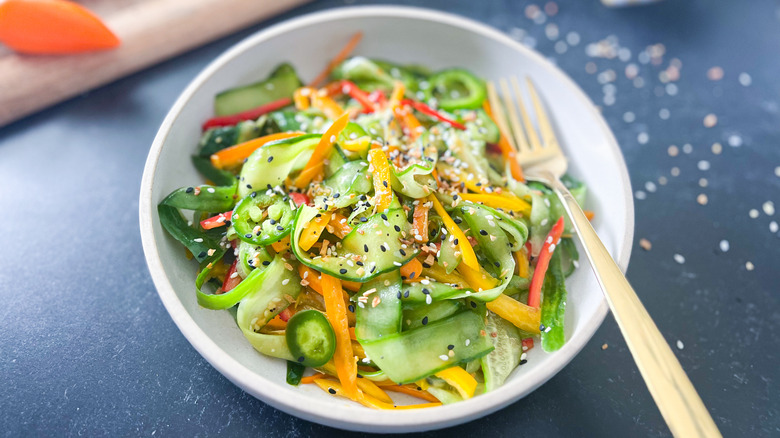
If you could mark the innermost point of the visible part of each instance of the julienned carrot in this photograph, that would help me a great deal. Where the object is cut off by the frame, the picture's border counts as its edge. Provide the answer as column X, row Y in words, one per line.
column 281, row 245
column 315, row 164
column 411, row 270
column 414, row 392
column 412, row 126
column 507, row 151
column 336, row 388
column 343, row 358
column 235, row 155
column 250, row 114
column 381, row 178
column 313, row 278
column 341, row 56
column 535, row 289
column 52, row 27
column 340, row 225
column 312, row 378
column 467, row 252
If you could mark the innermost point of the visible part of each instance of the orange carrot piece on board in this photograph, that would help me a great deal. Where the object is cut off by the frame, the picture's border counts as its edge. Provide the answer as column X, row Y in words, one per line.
column 342, row 55
column 48, row 27
column 343, row 358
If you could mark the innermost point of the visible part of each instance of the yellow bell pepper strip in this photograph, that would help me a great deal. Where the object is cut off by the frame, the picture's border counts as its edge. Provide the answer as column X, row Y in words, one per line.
column 439, row 274
column 315, row 164
column 301, row 97
column 414, row 392
column 420, row 221
column 479, row 280
column 343, row 358
column 500, row 201
column 383, row 192
column 411, row 270
column 235, row 155
column 507, row 151
column 341, row 56
column 524, row 317
column 467, row 252
column 552, row 240
column 313, row 231
column 521, row 262
column 459, row 379
column 367, row 386
column 396, row 95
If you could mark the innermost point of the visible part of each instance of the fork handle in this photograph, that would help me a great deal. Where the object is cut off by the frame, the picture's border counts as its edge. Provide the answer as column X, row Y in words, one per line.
column 680, row 405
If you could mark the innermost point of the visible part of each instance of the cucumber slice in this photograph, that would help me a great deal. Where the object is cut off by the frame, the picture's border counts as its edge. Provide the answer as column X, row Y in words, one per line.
column 497, row 365
column 280, row 84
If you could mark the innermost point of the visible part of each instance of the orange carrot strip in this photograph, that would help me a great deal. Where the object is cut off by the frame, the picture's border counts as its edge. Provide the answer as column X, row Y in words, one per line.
column 312, row 378
column 340, row 226
column 381, row 177
column 52, row 27
column 507, row 151
column 341, row 56
column 277, row 323
column 235, row 155
column 281, row 245
column 312, row 232
column 316, row 162
column 352, row 334
column 326, row 104
column 420, row 221
column 409, row 121
column 425, row 395
column 411, row 270
column 343, row 358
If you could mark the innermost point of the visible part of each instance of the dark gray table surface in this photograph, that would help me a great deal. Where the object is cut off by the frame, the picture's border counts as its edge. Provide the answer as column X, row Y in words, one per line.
column 86, row 347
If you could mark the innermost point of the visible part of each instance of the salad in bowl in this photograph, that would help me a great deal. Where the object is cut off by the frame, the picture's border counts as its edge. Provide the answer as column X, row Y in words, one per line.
column 373, row 229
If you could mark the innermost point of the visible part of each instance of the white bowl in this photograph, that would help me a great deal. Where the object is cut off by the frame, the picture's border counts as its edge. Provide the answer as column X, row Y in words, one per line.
column 400, row 34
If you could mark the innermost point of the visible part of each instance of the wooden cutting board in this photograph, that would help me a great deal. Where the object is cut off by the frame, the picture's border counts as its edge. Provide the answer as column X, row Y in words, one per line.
column 150, row 30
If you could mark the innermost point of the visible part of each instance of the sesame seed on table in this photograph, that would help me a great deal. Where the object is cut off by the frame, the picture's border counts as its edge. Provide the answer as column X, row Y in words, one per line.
column 689, row 89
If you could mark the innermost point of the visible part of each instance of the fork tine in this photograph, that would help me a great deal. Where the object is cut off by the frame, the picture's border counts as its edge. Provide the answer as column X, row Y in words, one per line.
column 548, row 135
column 514, row 121
column 498, row 111
column 533, row 138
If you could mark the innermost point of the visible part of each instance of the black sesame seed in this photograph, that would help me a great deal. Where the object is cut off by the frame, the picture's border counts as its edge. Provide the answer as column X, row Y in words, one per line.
column 399, row 295
column 457, row 220
column 450, row 347
column 382, row 247
column 343, row 271
column 411, row 276
column 365, row 247
column 483, row 232
column 425, row 321
column 301, row 359
column 253, row 194
column 384, row 216
column 269, row 186
column 273, row 222
column 403, row 253
column 248, row 235
column 406, row 294
column 373, row 268
column 351, row 308
column 498, row 265
column 331, row 390
column 473, row 304
column 363, row 197
column 363, row 219
column 202, row 254
column 396, row 228
column 271, row 158
column 189, row 190
column 280, row 228
column 359, row 263
column 384, row 183
column 426, row 291
column 524, row 361
column 336, row 195
column 266, row 263
column 541, row 327
column 455, row 241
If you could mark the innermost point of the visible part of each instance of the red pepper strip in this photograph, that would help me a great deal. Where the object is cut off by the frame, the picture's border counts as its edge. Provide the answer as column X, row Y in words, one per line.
column 378, row 97
column 356, row 93
column 535, row 290
column 528, row 343
column 231, row 280
column 425, row 109
column 299, row 198
column 216, row 221
column 285, row 314
column 250, row 114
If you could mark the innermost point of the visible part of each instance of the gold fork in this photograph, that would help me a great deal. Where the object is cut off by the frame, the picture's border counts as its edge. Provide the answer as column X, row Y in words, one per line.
column 542, row 160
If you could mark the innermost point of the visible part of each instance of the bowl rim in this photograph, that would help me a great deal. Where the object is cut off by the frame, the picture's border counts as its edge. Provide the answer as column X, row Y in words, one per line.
column 298, row 404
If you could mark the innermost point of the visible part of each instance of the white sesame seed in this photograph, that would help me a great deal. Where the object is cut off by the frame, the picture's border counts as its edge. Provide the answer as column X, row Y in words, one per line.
column 680, row 345
column 753, row 213
column 552, row 247
column 444, row 357
column 768, row 207
column 285, row 281
column 468, row 341
column 199, row 239
column 749, row 266
column 544, row 222
column 679, row 258
column 428, row 299
column 724, row 245
column 211, row 190
column 773, row 227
